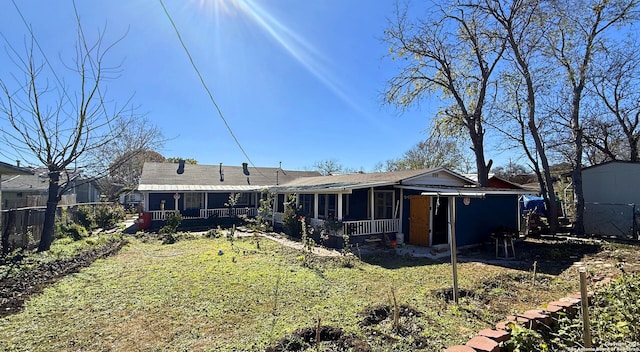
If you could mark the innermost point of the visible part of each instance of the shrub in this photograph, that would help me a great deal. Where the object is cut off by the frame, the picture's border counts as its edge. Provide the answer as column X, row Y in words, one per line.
column 291, row 217
column 265, row 211
column 614, row 317
column 107, row 216
column 173, row 221
column 86, row 216
column 214, row 233
column 71, row 230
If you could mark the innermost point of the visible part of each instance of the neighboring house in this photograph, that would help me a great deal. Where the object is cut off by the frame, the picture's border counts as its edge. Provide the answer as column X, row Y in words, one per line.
column 612, row 199
column 201, row 191
column 496, row 182
column 131, row 199
column 21, row 191
column 9, row 172
column 416, row 205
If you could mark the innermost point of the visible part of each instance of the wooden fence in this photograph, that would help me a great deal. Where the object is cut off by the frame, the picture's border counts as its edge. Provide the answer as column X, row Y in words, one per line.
column 22, row 227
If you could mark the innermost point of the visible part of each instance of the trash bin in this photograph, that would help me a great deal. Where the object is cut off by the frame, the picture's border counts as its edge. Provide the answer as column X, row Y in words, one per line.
column 144, row 220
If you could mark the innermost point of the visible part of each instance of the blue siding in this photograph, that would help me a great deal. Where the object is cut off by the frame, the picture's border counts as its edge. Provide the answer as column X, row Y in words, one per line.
column 475, row 222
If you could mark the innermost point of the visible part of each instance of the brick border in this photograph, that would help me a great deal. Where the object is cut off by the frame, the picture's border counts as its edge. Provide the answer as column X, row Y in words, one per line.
column 488, row 340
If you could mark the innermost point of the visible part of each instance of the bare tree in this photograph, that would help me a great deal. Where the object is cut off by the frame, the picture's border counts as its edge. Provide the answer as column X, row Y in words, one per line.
column 616, row 133
column 435, row 151
column 329, row 167
column 448, row 52
column 59, row 125
column 579, row 32
column 523, row 25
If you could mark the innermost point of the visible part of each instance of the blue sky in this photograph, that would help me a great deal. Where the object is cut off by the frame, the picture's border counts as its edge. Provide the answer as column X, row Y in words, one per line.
column 297, row 81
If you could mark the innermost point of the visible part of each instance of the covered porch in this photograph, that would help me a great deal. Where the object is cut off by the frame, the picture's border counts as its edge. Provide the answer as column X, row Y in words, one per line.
column 360, row 212
column 202, row 205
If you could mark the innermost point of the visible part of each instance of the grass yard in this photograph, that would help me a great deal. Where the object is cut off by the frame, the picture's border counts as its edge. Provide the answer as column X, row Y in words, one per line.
column 188, row 297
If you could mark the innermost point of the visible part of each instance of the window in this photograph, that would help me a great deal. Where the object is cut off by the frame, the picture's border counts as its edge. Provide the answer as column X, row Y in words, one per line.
column 244, row 199
column 327, row 206
column 192, row 200
column 306, row 200
column 383, row 204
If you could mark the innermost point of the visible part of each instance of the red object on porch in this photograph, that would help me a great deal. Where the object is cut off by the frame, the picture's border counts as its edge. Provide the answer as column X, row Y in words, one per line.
column 144, row 221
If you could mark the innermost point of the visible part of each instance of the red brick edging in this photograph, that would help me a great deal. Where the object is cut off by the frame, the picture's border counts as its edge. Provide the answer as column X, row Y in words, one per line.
column 488, row 340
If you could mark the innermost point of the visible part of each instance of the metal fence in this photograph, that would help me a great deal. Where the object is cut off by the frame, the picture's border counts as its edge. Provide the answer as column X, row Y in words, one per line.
column 609, row 219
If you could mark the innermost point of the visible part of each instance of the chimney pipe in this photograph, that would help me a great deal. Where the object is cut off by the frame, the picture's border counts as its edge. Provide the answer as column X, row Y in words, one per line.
column 221, row 174
column 18, row 163
column 245, row 169
column 180, row 170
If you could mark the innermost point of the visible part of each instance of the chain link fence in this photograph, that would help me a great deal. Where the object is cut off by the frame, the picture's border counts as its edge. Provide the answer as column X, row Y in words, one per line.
column 613, row 220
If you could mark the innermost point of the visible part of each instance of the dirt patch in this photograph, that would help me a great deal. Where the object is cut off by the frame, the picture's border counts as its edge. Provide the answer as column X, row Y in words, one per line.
column 330, row 339
column 378, row 314
column 14, row 291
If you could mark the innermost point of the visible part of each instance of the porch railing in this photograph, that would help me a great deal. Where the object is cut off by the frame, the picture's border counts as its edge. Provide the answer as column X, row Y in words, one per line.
column 224, row 212
column 358, row 227
column 160, row 214
column 205, row 213
column 370, row 227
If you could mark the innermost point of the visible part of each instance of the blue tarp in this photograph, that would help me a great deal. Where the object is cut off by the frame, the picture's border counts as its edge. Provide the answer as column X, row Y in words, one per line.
column 536, row 204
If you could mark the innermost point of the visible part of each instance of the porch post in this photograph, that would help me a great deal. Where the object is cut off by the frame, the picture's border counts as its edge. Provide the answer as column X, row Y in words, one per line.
column 206, row 200
column 339, row 207
column 372, row 208
column 145, row 196
column 401, row 210
column 452, row 241
column 274, row 207
column 315, row 205
column 256, row 201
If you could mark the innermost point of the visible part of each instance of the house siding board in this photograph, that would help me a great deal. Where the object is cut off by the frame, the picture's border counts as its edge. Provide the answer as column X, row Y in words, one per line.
column 437, row 178
column 475, row 222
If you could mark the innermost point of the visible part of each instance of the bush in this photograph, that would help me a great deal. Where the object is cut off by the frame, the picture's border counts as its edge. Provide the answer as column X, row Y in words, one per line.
column 86, row 217
column 614, row 317
column 107, row 216
column 70, row 230
column 173, row 221
column 291, row 218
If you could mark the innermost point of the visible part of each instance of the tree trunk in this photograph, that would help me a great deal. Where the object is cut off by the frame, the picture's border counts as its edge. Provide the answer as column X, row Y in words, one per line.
column 576, row 176
column 477, row 139
column 633, row 150
column 548, row 192
column 50, row 214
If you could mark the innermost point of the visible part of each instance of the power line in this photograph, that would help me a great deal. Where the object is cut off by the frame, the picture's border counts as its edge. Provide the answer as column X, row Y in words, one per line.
column 206, row 88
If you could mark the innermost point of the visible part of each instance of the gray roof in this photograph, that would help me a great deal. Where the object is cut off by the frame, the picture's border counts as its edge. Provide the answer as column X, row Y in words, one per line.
column 361, row 180
column 8, row 169
column 36, row 180
column 163, row 177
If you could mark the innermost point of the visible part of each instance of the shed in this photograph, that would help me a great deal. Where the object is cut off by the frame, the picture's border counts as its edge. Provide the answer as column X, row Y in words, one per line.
column 612, row 198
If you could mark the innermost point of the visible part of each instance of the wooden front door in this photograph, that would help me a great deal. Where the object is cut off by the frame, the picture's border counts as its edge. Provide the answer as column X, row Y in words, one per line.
column 419, row 220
